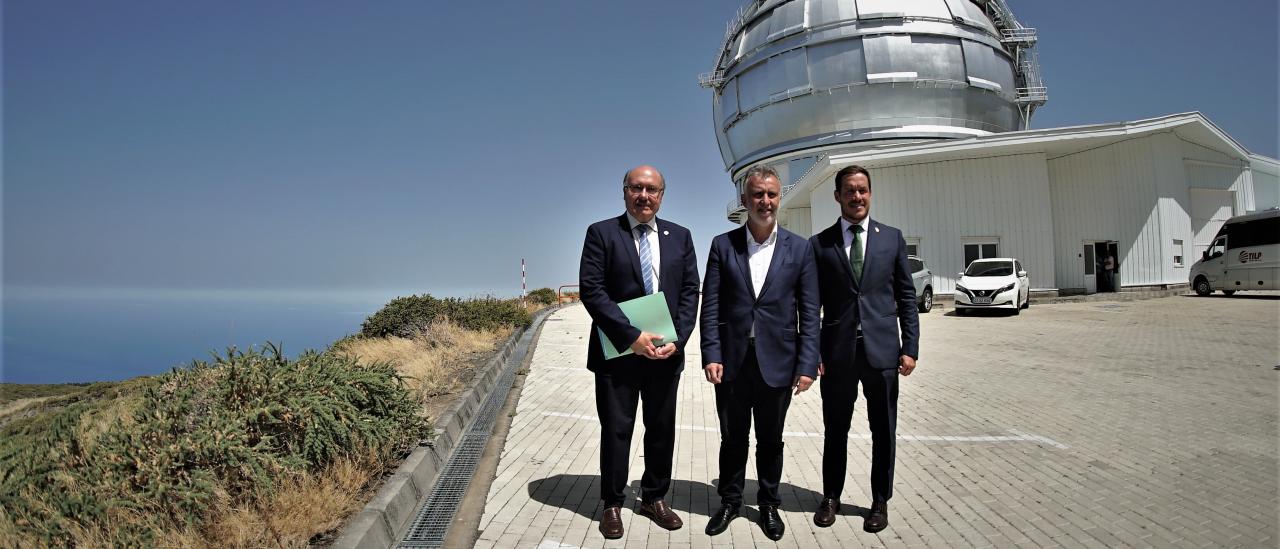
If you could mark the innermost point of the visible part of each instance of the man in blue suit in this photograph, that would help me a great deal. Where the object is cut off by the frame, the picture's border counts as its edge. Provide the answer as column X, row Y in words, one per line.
column 870, row 335
column 623, row 258
column 761, row 284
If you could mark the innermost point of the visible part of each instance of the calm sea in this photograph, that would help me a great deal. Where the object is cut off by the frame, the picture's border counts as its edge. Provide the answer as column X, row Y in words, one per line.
column 59, row 335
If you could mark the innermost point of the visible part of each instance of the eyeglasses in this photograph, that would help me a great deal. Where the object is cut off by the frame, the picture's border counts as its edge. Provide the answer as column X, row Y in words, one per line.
column 641, row 189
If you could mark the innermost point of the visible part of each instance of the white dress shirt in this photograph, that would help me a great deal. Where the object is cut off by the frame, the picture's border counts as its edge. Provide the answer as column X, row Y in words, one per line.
column 759, row 257
column 655, row 258
column 848, row 235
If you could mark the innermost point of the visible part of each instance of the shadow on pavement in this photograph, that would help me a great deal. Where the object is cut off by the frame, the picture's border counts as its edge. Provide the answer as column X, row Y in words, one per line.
column 580, row 494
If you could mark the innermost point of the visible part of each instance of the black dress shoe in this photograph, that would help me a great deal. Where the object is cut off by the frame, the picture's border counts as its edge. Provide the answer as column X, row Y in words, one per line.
column 611, row 522
column 826, row 515
column 770, row 522
column 878, row 519
column 720, row 521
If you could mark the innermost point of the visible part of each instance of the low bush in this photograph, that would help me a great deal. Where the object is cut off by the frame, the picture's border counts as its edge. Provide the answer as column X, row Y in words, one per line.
column 543, row 296
column 411, row 316
column 227, row 431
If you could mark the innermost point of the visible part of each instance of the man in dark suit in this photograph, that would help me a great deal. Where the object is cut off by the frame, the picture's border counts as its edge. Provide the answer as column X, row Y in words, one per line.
column 760, row 280
column 624, row 258
column 870, row 335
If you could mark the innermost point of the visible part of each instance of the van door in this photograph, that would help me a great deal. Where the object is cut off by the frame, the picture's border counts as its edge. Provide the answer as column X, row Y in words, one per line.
column 1215, row 265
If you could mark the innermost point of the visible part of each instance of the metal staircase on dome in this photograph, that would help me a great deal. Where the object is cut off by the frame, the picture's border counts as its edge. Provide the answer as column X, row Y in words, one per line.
column 1019, row 41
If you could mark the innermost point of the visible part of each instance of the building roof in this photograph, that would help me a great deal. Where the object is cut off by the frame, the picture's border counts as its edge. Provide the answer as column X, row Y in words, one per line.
column 1052, row 142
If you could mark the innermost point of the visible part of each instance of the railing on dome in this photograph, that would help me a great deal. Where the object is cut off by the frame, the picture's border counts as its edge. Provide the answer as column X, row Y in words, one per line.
column 737, row 213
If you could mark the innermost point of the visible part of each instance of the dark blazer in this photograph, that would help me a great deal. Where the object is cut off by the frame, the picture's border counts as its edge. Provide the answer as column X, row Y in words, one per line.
column 789, row 299
column 884, row 301
column 610, row 274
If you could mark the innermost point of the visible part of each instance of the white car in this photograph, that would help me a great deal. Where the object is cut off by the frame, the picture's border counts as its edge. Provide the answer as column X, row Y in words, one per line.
column 993, row 283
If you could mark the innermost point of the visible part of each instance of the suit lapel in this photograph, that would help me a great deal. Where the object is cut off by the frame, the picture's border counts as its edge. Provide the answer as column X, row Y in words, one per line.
column 629, row 241
column 779, row 256
column 738, row 239
column 666, row 250
column 873, row 246
column 837, row 249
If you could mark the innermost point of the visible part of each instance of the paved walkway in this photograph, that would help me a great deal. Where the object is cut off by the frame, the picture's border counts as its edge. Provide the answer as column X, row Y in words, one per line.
column 1146, row 424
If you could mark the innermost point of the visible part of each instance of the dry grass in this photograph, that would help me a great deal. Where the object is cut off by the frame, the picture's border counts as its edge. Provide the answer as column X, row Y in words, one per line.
column 301, row 508
column 20, row 404
column 437, row 362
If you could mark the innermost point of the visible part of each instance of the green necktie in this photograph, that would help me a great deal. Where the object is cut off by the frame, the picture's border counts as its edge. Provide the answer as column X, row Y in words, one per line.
column 855, row 252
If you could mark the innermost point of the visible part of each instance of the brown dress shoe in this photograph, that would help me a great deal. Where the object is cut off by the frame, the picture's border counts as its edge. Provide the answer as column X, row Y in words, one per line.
column 878, row 518
column 661, row 514
column 611, row 522
column 826, row 515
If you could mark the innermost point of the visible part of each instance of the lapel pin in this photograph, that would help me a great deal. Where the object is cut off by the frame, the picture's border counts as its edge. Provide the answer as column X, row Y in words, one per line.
column 877, row 229
column 666, row 233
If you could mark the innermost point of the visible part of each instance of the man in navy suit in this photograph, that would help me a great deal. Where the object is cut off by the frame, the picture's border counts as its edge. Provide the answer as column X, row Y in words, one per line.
column 870, row 335
column 760, row 280
column 623, row 258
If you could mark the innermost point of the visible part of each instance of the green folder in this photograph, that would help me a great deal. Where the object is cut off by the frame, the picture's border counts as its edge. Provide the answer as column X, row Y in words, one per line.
column 649, row 314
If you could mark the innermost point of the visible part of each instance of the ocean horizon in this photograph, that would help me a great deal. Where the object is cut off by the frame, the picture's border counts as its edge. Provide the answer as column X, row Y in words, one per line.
column 80, row 334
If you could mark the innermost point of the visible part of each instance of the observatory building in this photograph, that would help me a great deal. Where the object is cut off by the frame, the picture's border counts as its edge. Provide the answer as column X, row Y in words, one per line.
column 936, row 98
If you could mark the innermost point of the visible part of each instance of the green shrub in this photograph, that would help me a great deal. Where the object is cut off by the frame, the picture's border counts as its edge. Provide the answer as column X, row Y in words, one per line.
column 229, row 428
column 410, row 316
column 543, row 296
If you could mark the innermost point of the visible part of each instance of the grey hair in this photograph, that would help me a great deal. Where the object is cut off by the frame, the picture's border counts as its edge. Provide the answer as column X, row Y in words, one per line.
column 762, row 171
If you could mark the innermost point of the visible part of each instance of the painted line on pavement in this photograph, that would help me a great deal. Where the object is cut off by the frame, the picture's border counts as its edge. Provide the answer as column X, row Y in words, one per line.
column 1014, row 436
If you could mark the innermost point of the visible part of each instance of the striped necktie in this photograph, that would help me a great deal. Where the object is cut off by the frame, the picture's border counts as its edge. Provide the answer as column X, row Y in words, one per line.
column 646, row 258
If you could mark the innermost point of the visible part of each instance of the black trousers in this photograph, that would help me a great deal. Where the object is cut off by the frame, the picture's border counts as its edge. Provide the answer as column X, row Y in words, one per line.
column 737, row 402
column 617, row 393
column 839, row 387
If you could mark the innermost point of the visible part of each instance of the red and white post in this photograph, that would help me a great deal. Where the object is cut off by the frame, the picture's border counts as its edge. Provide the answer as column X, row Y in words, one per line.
column 524, row 287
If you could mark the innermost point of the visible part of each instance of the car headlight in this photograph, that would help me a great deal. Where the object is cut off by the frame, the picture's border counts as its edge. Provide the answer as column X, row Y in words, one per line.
column 963, row 290
column 1005, row 288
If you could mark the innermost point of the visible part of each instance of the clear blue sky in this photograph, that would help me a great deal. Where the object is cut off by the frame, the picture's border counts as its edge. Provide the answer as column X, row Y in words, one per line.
column 428, row 146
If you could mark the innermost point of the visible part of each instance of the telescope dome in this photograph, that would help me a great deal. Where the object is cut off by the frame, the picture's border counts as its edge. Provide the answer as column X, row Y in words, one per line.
column 795, row 75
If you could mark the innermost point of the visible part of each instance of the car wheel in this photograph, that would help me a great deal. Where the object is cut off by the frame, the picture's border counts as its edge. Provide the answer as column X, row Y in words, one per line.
column 1228, row 293
column 926, row 301
column 1027, row 304
column 1203, row 289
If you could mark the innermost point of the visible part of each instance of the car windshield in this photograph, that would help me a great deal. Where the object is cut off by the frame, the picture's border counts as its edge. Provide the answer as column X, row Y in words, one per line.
column 989, row 268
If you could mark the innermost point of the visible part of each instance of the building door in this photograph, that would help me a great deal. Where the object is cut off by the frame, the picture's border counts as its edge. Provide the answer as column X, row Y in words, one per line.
column 1090, row 270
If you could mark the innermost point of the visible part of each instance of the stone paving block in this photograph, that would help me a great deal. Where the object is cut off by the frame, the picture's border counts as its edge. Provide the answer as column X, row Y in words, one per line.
column 1035, row 430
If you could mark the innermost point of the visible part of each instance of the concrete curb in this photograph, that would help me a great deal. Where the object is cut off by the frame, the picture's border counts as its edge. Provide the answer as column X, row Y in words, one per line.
column 384, row 519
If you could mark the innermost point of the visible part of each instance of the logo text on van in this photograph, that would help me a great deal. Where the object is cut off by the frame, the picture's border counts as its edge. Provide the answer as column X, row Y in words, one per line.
column 1246, row 257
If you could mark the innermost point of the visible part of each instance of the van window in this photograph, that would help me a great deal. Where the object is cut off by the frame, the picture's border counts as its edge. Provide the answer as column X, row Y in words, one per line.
column 1258, row 232
column 1217, row 247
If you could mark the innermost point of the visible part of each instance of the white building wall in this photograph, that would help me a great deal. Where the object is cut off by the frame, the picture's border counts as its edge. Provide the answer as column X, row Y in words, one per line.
column 1173, row 202
column 1266, row 183
column 944, row 203
column 1109, row 193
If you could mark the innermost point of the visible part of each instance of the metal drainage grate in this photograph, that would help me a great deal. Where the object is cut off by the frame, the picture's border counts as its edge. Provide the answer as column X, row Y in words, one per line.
column 432, row 523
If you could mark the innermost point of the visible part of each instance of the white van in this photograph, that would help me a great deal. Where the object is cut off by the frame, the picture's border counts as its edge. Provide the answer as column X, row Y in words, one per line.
column 1245, row 255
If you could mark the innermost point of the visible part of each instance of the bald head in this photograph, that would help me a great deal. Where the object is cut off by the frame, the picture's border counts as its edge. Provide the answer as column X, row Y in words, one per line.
column 642, row 189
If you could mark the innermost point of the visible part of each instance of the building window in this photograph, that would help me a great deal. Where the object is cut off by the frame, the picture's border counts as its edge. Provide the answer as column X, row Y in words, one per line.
column 1177, row 253
column 913, row 246
column 980, row 249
